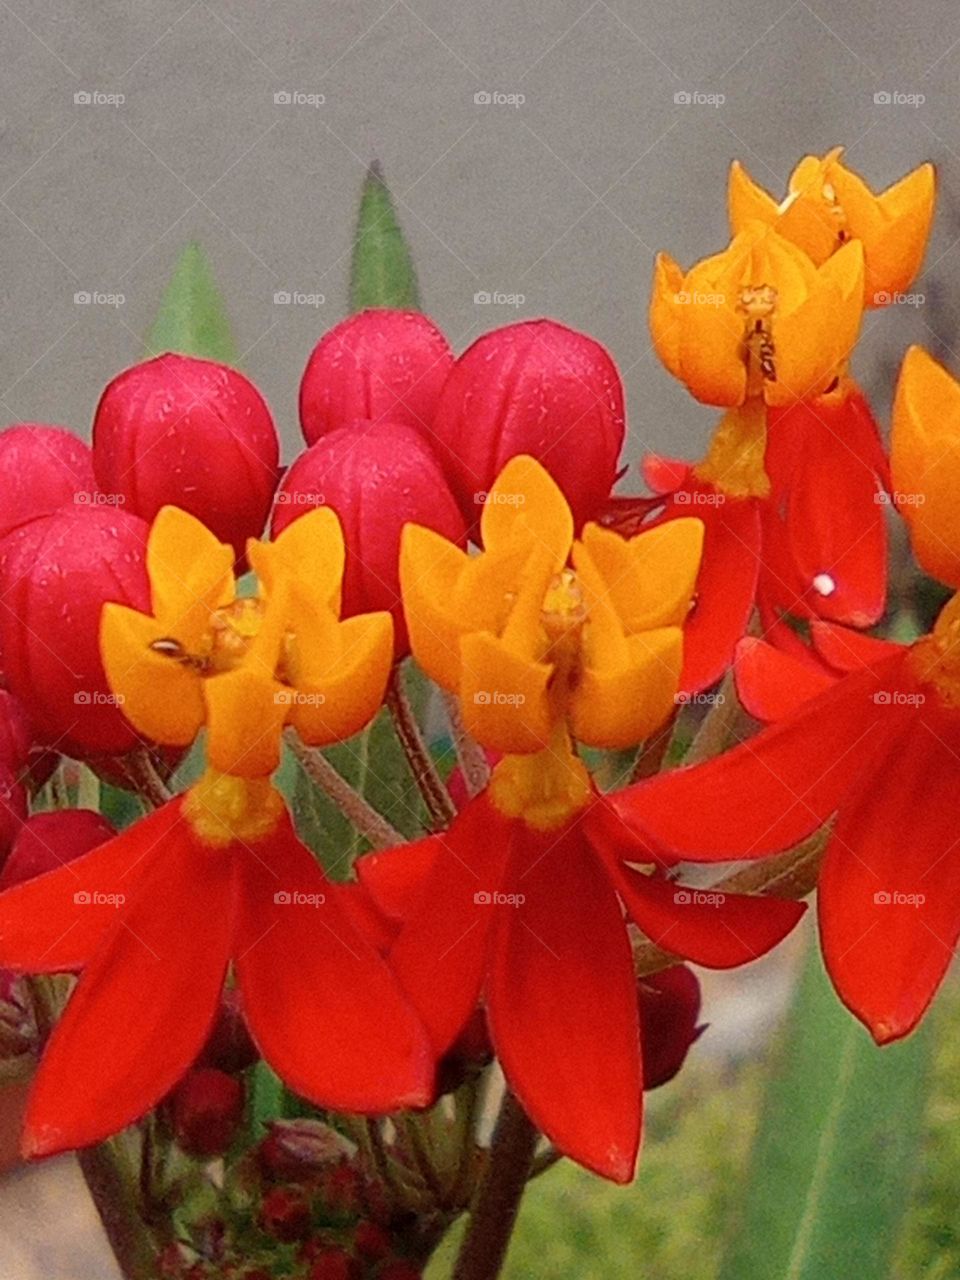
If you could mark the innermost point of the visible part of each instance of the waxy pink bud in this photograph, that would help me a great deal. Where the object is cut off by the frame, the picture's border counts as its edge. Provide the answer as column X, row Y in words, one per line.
column 56, row 574
column 669, row 1009
column 193, row 434
column 42, row 468
column 377, row 477
column 206, row 1108
column 49, row 840
column 539, row 388
column 379, row 365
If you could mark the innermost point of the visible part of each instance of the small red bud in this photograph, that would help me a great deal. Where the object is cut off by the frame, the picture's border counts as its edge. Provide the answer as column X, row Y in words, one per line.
column 334, row 1264
column 669, row 1009
column 285, row 1214
column 377, row 477
column 534, row 387
column 206, row 1108
column 191, row 433
column 340, row 1189
column 41, row 469
column 378, row 365
column 50, row 840
column 230, row 1047
column 295, row 1150
column 470, row 1053
column 56, row 574
column 372, row 1241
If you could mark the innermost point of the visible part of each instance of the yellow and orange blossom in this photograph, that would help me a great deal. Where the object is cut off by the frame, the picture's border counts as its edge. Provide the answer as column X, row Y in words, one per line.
column 759, row 320
column 244, row 666
column 544, row 638
column 827, row 205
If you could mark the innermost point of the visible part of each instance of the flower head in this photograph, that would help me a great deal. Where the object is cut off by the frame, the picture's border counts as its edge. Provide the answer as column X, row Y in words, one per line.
column 758, row 319
column 828, row 205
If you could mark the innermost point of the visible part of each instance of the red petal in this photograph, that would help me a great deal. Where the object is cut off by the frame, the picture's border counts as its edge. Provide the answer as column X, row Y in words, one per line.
column 562, row 1004
column 772, row 684
column 896, row 838
column 715, row 929
column 775, row 789
column 144, row 1005
column 56, row 922
column 395, row 877
column 847, row 650
column 441, row 954
column 664, row 475
column 320, row 1002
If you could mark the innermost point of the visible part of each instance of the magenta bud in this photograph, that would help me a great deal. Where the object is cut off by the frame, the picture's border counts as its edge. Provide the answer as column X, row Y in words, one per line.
column 16, row 734
column 56, row 574
column 377, row 365
column 190, row 433
column 534, row 387
column 49, row 840
column 206, row 1108
column 42, row 468
column 377, row 477
column 669, row 1009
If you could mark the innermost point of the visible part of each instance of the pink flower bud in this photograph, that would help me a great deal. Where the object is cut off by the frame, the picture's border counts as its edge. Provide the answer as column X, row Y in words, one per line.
column 16, row 734
column 56, row 573
column 669, row 1009
column 41, row 468
column 205, row 1111
column 379, row 365
column 377, row 477
column 191, row 433
column 534, row 387
column 49, row 840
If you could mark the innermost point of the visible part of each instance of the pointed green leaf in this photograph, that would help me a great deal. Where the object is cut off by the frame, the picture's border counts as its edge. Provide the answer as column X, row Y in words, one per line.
column 837, row 1147
column 192, row 319
column 382, row 273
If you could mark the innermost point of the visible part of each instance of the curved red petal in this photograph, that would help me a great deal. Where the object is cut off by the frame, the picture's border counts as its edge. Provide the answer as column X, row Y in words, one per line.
column 562, row 1004
column 775, row 789
column 889, row 895
column 320, row 1002
column 395, row 877
column 664, row 475
column 773, row 684
column 848, row 650
column 144, row 1005
column 55, row 923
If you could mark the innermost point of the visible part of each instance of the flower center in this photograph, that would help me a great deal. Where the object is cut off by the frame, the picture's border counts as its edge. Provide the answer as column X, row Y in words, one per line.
column 757, row 304
column 734, row 463
column 545, row 788
column 223, row 808
column 225, row 643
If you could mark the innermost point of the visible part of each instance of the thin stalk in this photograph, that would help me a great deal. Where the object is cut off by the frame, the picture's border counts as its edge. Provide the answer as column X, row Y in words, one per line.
column 441, row 808
column 148, row 784
column 370, row 824
column 471, row 757
column 652, row 754
column 117, row 1201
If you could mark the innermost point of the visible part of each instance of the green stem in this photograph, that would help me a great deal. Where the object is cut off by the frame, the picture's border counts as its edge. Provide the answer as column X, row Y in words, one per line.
column 348, row 800
column 441, row 808
column 118, row 1204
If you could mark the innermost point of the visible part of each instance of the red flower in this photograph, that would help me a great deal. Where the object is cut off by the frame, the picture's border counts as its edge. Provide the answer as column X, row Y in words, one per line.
column 205, row 1112
column 56, row 573
column 379, row 365
column 377, row 477
column 538, row 388
column 158, row 912
column 669, row 1013
column 192, row 434
column 532, row 922
column 42, row 468
column 51, row 840
column 878, row 749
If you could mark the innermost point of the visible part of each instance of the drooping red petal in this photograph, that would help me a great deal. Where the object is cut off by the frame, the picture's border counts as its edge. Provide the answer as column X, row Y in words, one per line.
column 664, row 475
column 395, row 877
column 848, row 650
column 777, row 788
column 709, row 927
column 562, row 1004
column 323, row 1007
column 144, row 1005
column 55, row 923
column 773, row 684
column 889, row 895
column 442, row 953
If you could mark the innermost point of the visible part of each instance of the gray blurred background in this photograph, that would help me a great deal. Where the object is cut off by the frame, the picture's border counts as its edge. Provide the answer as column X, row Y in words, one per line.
column 558, row 193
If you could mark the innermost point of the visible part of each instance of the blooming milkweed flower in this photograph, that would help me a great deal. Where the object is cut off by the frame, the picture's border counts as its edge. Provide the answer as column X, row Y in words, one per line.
column 759, row 319
column 217, row 876
column 828, row 205
column 521, row 903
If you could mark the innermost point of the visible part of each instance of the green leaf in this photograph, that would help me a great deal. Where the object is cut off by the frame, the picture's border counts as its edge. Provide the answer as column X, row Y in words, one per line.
column 382, row 273
column 265, row 1101
column 193, row 319
column 837, row 1147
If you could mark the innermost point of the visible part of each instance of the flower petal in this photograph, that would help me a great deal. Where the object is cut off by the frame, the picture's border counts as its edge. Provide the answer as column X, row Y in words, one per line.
column 334, row 699
column 650, row 578
column 526, row 502
column 191, row 574
column 773, row 684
